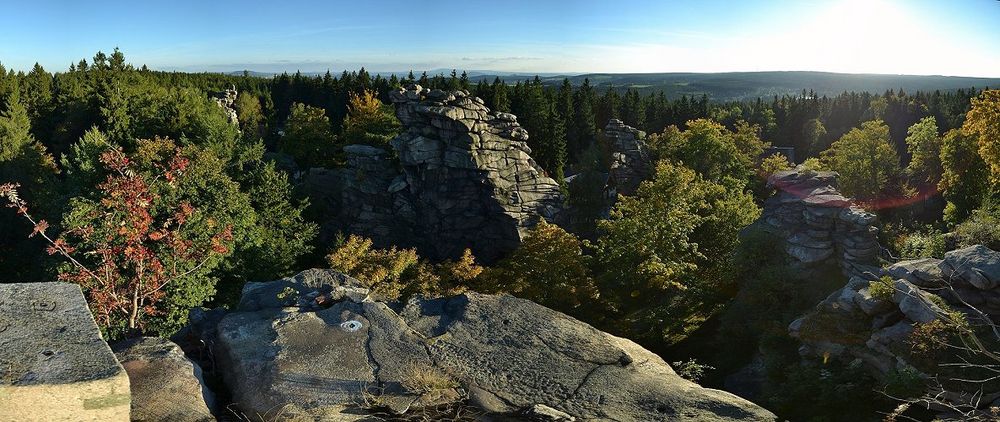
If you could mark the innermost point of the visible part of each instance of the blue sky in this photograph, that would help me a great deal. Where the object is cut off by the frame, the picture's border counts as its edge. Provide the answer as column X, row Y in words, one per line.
column 953, row 37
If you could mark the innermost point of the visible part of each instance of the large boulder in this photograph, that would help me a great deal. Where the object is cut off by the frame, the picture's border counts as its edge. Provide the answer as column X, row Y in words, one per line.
column 165, row 385
column 54, row 365
column 631, row 162
column 461, row 177
column 819, row 225
column 498, row 353
column 976, row 265
column 888, row 306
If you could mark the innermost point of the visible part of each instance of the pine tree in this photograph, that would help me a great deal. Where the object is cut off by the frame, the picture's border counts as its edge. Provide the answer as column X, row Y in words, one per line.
column 608, row 108
column 463, row 82
column 554, row 139
column 25, row 162
column 583, row 130
column 633, row 111
column 501, row 96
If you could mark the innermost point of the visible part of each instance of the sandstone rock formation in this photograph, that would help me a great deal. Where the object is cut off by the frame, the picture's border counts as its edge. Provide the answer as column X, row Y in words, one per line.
column 54, row 366
column 165, row 385
column 316, row 346
column 227, row 101
column 460, row 177
column 859, row 322
column 818, row 224
column 630, row 160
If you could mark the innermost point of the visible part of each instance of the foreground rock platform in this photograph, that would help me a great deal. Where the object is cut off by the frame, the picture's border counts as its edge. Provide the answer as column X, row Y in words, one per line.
column 299, row 357
column 54, row 365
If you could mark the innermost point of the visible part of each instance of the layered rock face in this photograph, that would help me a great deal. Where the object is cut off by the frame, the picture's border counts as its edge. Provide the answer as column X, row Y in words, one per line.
column 317, row 346
column 818, row 224
column 630, row 161
column 859, row 321
column 227, row 101
column 165, row 385
column 462, row 177
column 54, row 366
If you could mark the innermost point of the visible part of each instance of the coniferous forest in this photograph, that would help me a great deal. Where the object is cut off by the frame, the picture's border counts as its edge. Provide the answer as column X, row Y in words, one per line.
column 158, row 192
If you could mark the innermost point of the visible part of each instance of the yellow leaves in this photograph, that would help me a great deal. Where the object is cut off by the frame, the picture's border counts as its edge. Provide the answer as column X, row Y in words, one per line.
column 464, row 269
column 364, row 105
column 866, row 161
column 393, row 272
column 983, row 123
column 549, row 268
column 773, row 164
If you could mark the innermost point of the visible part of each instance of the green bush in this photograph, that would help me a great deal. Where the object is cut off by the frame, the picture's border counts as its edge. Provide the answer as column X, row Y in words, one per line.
column 882, row 289
column 929, row 243
column 982, row 227
column 821, row 393
column 691, row 369
column 905, row 383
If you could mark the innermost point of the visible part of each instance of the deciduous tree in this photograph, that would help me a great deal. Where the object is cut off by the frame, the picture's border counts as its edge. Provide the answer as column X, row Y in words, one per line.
column 308, row 137
column 867, row 162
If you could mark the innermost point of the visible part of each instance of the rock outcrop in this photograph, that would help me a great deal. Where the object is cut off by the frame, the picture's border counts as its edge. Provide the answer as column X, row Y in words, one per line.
column 818, row 224
column 227, row 101
column 165, row 385
column 874, row 323
column 318, row 346
column 630, row 160
column 54, row 366
column 460, row 177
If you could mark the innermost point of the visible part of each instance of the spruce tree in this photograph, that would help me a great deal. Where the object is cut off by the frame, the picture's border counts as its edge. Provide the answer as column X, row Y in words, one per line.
column 583, row 130
column 501, row 96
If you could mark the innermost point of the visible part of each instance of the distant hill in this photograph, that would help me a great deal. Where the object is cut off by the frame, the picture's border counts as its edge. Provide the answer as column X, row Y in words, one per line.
column 751, row 85
column 726, row 86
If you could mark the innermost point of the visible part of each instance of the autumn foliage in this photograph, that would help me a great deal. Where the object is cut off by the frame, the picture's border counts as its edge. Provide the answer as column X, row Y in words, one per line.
column 125, row 248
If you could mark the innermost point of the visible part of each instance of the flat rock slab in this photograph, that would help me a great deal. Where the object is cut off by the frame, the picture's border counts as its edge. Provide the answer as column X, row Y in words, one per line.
column 54, row 365
column 509, row 355
column 165, row 384
column 977, row 265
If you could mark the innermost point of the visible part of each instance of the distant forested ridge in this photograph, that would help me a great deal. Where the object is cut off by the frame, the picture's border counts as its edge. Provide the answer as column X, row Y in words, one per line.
column 158, row 192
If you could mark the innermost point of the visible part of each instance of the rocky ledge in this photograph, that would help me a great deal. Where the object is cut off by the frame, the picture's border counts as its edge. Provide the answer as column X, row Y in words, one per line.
column 317, row 346
column 54, row 365
column 875, row 324
column 630, row 160
column 460, row 176
column 818, row 224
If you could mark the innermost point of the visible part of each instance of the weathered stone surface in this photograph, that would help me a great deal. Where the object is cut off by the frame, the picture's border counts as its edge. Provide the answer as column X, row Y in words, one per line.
column 977, row 265
column 165, row 385
column 630, row 160
column 301, row 290
column 879, row 334
column 818, row 224
column 54, row 366
column 227, row 101
column 464, row 179
column 543, row 413
column 924, row 272
column 508, row 354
